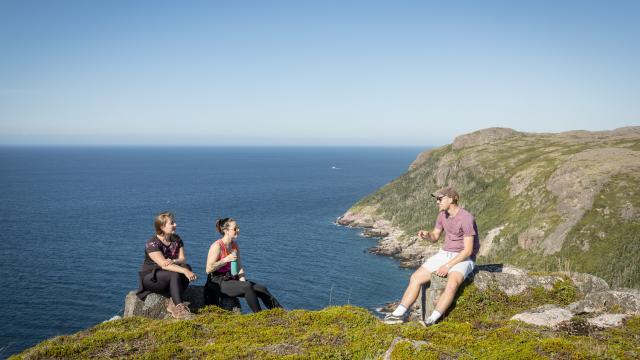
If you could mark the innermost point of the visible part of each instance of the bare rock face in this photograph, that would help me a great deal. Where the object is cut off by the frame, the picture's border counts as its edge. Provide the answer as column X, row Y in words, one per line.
column 483, row 137
column 422, row 158
column 154, row 305
column 510, row 280
column 412, row 252
column 578, row 180
column 583, row 307
column 487, row 242
column 596, row 306
column 373, row 232
column 587, row 283
column 545, row 315
column 607, row 320
column 620, row 300
column 352, row 219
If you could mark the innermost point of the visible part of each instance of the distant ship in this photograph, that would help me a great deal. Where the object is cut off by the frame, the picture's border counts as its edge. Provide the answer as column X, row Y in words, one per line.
column 335, row 168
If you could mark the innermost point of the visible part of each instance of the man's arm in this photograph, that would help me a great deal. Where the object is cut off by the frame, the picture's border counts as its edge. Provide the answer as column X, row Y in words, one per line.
column 433, row 236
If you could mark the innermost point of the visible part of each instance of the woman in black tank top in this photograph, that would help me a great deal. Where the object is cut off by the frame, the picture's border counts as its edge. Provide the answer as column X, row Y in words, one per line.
column 222, row 278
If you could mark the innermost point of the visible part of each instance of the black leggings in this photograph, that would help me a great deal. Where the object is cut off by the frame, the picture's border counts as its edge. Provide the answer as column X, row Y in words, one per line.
column 174, row 282
column 247, row 289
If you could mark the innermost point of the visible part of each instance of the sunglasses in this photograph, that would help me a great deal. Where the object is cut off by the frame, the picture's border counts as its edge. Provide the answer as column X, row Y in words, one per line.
column 439, row 198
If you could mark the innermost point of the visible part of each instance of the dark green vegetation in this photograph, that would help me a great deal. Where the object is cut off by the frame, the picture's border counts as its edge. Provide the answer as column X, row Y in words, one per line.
column 564, row 201
column 477, row 327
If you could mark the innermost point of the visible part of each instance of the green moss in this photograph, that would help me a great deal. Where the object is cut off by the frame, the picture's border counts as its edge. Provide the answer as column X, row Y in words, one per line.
column 346, row 332
column 559, row 348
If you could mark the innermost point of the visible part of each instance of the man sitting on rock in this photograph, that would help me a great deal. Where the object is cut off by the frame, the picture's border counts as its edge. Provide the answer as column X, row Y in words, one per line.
column 455, row 261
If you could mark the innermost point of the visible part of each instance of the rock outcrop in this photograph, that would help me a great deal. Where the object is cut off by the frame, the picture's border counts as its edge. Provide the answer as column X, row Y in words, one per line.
column 546, row 315
column 154, row 305
column 602, row 308
column 484, row 136
column 511, row 280
column 619, row 300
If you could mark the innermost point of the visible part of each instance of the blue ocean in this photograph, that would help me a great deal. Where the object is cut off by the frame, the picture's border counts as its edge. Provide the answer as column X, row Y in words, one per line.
column 75, row 220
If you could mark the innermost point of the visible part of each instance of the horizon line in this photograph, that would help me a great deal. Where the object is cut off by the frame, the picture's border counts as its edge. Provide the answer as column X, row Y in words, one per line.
column 7, row 145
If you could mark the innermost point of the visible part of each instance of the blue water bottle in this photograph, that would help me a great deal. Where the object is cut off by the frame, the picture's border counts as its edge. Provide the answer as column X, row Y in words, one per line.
column 234, row 265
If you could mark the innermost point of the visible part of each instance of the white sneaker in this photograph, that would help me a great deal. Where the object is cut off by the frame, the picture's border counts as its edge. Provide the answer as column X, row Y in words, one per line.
column 393, row 319
column 428, row 322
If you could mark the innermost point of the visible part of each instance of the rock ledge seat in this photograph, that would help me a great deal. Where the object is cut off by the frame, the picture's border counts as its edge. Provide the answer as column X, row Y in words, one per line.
column 154, row 306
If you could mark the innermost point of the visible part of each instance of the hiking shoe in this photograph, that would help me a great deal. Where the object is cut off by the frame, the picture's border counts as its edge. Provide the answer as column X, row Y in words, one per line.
column 182, row 312
column 393, row 319
column 171, row 307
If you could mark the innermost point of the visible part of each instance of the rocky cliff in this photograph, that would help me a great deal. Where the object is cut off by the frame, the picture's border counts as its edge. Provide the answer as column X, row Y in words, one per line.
column 566, row 201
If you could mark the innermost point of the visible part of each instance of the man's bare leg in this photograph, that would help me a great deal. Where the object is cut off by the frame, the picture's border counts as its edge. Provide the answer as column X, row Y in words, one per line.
column 418, row 278
column 454, row 280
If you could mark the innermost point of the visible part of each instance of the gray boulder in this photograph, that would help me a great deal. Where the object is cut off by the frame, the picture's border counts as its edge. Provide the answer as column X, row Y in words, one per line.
column 607, row 320
column 510, row 280
column 154, row 305
column 596, row 306
column 587, row 283
column 546, row 315
column 620, row 301
column 583, row 307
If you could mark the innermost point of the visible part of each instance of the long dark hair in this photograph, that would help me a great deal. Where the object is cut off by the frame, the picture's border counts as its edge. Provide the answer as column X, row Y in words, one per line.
column 223, row 224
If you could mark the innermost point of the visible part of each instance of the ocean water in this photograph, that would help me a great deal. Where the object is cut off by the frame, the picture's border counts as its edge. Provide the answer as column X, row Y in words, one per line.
column 75, row 219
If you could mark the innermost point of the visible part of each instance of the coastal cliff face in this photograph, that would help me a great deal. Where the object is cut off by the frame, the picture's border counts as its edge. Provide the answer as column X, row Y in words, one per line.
column 567, row 201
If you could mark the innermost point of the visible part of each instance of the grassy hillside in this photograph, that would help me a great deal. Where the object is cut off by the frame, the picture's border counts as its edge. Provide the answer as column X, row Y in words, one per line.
column 563, row 201
column 477, row 327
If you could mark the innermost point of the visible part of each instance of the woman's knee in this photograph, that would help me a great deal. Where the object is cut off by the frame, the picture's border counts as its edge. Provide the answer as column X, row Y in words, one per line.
column 175, row 277
column 260, row 288
column 245, row 286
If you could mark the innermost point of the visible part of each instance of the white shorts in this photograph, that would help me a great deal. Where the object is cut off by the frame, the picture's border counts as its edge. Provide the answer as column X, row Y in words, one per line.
column 464, row 267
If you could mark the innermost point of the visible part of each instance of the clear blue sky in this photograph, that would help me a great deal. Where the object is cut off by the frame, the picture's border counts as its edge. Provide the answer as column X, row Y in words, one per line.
column 314, row 73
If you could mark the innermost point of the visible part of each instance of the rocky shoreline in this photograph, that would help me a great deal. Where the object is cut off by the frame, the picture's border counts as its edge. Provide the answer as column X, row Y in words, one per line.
column 409, row 250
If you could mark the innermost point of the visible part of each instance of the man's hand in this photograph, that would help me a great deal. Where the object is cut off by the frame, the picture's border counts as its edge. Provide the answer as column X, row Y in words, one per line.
column 442, row 271
column 424, row 235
